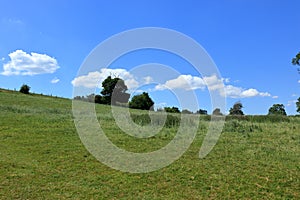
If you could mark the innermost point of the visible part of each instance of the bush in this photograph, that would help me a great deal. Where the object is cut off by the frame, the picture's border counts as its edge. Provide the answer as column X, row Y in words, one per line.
column 24, row 89
column 142, row 101
column 144, row 119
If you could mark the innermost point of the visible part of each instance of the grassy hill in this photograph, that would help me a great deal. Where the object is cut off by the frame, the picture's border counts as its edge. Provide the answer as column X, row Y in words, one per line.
column 42, row 157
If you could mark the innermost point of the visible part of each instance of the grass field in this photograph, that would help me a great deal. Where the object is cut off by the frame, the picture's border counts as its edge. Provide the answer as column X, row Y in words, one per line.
column 42, row 157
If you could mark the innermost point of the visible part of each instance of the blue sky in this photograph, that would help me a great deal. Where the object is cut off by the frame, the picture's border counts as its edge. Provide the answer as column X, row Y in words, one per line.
column 252, row 42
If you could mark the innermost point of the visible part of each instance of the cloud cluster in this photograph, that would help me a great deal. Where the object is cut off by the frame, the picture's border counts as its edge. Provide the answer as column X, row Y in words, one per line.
column 94, row 79
column 182, row 82
column 22, row 63
column 188, row 82
column 55, row 80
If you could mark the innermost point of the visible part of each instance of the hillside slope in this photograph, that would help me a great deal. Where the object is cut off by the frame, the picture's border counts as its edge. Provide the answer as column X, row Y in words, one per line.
column 42, row 157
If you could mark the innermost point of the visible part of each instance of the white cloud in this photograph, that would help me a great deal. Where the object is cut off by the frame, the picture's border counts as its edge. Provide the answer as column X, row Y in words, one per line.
column 275, row 97
column 213, row 82
column 22, row 63
column 55, row 80
column 299, row 81
column 291, row 102
column 186, row 82
column 238, row 92
column 94, row 79
column 147, row 79
column 226, row 80
column 12, row 21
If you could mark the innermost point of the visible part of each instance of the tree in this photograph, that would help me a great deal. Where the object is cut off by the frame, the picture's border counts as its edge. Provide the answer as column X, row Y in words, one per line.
column 217, row 111
column 298, row 105
column 25, row 89
column 277, row 109
column 172, row 110
column 236, row 109
column 142, row 101
column 296, row 60
column 202, row 112
column 114, row 90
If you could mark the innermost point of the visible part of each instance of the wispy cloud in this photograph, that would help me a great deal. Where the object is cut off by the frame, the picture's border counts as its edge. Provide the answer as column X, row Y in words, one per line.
column 275, row 97
column 291, row 102
column 147, row 79
column 12, row 21
column 22, row 63
column 55, row 80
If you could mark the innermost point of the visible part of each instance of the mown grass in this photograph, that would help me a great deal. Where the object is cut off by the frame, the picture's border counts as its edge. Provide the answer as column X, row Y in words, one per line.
column 42, row 157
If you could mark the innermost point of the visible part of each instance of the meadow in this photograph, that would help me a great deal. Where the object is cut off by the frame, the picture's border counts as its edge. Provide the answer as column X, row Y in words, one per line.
column 42, row 157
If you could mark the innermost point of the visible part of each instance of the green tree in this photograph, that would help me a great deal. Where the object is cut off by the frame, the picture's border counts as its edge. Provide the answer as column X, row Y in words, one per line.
column 236, row 109
column 298, row 105
column 202, row 112
column 217, row 111
column 114, row 90
column 141, row 101
column 277, row 109
column 25, row 89
column 296, row 60
column 172, row 110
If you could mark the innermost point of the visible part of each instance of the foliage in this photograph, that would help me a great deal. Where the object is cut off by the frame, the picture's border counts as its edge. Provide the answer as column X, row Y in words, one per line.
column 172, row 110
column 114, row 90
column 236, row 109
column 259, row 118
column 24, row 89
column 142, row 102
column 296, row 60
column 298, row 105
column 277, row 109
column 217, row 111
column 171, row 121
column 202, row 112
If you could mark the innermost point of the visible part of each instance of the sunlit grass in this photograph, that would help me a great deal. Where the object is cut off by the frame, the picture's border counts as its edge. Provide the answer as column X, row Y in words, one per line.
column 42, row 157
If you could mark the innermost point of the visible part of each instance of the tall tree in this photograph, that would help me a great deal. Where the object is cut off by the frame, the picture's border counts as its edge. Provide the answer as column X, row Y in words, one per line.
column 236, row 109
column 298, row 105
column 114, row 90
column 277, row 109
column 296, row 60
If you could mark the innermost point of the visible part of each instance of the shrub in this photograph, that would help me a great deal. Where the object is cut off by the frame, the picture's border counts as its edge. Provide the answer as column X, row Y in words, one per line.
column 24, row 89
